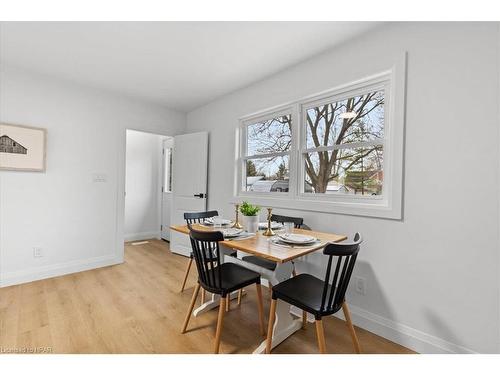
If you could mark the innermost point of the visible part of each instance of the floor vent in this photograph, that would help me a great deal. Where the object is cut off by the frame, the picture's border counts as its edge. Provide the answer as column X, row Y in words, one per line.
column 139, row 243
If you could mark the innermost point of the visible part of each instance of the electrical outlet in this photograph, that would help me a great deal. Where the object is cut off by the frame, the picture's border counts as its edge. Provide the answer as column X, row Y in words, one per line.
column 360, row 285
column 37, row 252
column 99, row 177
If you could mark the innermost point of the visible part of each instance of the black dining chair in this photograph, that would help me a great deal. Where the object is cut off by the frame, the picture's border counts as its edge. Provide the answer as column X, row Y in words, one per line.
column 197, row 218
column 321, row 297
column 298, row 223
column 219, row 278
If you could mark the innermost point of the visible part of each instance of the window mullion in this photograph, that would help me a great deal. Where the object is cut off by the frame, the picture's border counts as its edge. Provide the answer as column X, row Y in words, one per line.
column 302, row 144
column 294, row 153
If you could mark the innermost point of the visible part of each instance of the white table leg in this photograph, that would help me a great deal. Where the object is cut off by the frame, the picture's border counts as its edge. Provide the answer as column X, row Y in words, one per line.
column 285, row 324
column 213, row 302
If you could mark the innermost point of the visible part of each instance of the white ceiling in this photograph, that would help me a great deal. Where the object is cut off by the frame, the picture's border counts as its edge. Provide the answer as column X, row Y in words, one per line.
column 182, row 65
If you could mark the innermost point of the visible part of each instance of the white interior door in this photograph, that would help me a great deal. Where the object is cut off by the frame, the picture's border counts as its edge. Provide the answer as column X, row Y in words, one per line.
column 166, row 191
column 189, row 184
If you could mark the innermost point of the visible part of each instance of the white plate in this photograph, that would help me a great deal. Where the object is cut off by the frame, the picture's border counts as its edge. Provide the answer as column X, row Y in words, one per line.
column 210, row 221
column 296, row 238
column 274, row 225
column 231, row 232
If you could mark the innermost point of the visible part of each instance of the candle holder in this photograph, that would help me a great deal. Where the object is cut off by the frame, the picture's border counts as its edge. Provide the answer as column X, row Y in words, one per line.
column 237, row 224
column 269, row 231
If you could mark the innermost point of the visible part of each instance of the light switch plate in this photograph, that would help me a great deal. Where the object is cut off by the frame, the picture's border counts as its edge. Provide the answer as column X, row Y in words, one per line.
column 360, row 285
column 99, row 177
column 37, row 252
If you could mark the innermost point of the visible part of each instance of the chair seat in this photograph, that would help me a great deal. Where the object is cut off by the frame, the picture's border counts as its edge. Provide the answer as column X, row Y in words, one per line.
column 233, row 277
column 264, row 263
column 229, row 252
column 304, row 291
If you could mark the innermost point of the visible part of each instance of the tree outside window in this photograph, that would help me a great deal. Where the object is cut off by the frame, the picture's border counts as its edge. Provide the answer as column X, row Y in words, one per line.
column 342, row 150
column 268, row 154
column 344, row 145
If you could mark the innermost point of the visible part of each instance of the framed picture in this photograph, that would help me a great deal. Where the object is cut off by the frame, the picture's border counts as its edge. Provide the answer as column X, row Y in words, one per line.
column 22, row 148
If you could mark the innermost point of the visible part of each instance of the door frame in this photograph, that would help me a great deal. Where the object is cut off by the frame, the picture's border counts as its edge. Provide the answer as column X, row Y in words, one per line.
column 119, row 245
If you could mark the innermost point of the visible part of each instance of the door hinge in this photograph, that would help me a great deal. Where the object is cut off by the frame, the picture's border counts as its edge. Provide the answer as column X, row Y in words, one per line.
column 161, row 227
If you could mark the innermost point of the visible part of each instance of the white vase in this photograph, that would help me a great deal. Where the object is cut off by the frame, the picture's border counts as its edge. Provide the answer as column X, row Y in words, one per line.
column 251, row 223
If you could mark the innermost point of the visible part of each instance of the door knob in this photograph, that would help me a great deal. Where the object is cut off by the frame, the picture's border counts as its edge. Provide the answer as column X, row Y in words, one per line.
column 201, row 195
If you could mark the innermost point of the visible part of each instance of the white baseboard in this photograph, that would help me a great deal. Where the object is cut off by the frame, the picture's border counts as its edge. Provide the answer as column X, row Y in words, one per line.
column 401, row 334
column 142, row 236
column 39, row 273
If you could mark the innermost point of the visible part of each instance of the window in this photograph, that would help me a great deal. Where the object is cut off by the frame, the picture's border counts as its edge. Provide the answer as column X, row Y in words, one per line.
column 167, row 173
column 343, row 148
column 267, row 154
column 340, row 151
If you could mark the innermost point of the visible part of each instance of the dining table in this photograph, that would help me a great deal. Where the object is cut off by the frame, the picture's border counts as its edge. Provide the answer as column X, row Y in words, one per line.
column 267, row 247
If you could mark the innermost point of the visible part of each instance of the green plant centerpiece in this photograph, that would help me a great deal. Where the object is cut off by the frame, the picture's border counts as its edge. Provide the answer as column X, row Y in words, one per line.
column 248, row 209
column 250, row 217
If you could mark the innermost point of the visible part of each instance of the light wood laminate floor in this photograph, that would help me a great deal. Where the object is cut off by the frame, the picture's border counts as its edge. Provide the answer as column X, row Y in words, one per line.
column 136, row 307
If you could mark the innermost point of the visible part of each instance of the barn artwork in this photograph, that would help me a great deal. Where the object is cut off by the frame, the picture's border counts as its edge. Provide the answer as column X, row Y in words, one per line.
column 22, row 148
column 7, row 144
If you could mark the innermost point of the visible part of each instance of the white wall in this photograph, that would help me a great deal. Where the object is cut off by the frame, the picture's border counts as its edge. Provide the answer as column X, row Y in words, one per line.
column 78, row 223
column 432, row 278
column 143, row 181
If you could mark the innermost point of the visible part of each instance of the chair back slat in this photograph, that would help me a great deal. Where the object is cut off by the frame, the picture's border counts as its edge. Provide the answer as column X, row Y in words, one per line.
column 348, row 276
column 342, row 279
column 325, row 287
column 205, row 260
column 334, row 280
column 207, row 254
column 297, row 221
column 198, row 217
column 199, row 264
column 345, row 255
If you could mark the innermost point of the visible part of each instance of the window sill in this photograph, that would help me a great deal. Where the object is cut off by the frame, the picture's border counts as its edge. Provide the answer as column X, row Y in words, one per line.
column 370, row 207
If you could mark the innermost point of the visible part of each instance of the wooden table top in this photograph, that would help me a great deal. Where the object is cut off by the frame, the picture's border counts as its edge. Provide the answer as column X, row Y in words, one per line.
column 261, row 246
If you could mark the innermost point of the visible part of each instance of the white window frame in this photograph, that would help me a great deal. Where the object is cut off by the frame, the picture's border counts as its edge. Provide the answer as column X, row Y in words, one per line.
column 167, row 170
column 389, row 204
column 251, row 120
column 381, row 83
